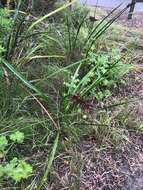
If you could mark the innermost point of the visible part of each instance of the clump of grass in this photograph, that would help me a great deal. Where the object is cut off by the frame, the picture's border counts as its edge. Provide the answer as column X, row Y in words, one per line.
column 51, row 79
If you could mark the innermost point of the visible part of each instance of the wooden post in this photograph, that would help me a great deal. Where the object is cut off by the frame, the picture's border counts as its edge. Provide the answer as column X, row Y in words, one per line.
column 132, row 7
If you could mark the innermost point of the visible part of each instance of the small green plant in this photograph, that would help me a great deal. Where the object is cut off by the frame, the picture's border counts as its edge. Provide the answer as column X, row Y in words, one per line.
column 17, row 137
column 15, row 169
column 6, row 22
column 96, row 76
column 3, row 143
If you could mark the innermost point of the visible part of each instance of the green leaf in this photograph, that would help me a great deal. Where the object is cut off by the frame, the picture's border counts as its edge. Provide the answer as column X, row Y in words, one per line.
column 22, row 171
column 9, row 167
column 1, row 48
column 1, row 171
column 17, row 137
column 3, row 143
column 18, row 169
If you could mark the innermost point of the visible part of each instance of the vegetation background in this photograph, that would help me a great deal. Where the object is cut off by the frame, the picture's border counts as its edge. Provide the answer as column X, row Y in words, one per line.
column 65, row 98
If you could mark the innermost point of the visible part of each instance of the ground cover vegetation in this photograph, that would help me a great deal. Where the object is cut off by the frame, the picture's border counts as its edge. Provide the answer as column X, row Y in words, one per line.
column 60, row 75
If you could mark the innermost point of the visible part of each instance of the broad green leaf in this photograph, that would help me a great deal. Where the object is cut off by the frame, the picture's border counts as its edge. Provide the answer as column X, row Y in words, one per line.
column 17, row 137
column 3, row 143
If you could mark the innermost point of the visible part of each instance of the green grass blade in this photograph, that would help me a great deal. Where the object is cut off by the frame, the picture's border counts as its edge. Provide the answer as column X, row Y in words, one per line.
column 104, row 28
column 74, row 77
column 22, row 79
column 50, row 14
column 37, row 34
column 100, row 23
column 83, row 80
column 79, row 28
column 67, row 67
column 49, row 162
column 45, row 56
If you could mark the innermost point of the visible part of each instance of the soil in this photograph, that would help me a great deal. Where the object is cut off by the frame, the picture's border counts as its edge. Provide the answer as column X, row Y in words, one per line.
column 115, row 168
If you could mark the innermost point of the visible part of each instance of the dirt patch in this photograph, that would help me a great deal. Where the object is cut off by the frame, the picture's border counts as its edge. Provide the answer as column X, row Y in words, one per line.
column 112, row 168
column 118, row 167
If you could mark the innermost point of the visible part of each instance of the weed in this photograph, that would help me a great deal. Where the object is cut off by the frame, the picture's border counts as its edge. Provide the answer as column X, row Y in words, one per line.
column 102, row 72
column 15, row 169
